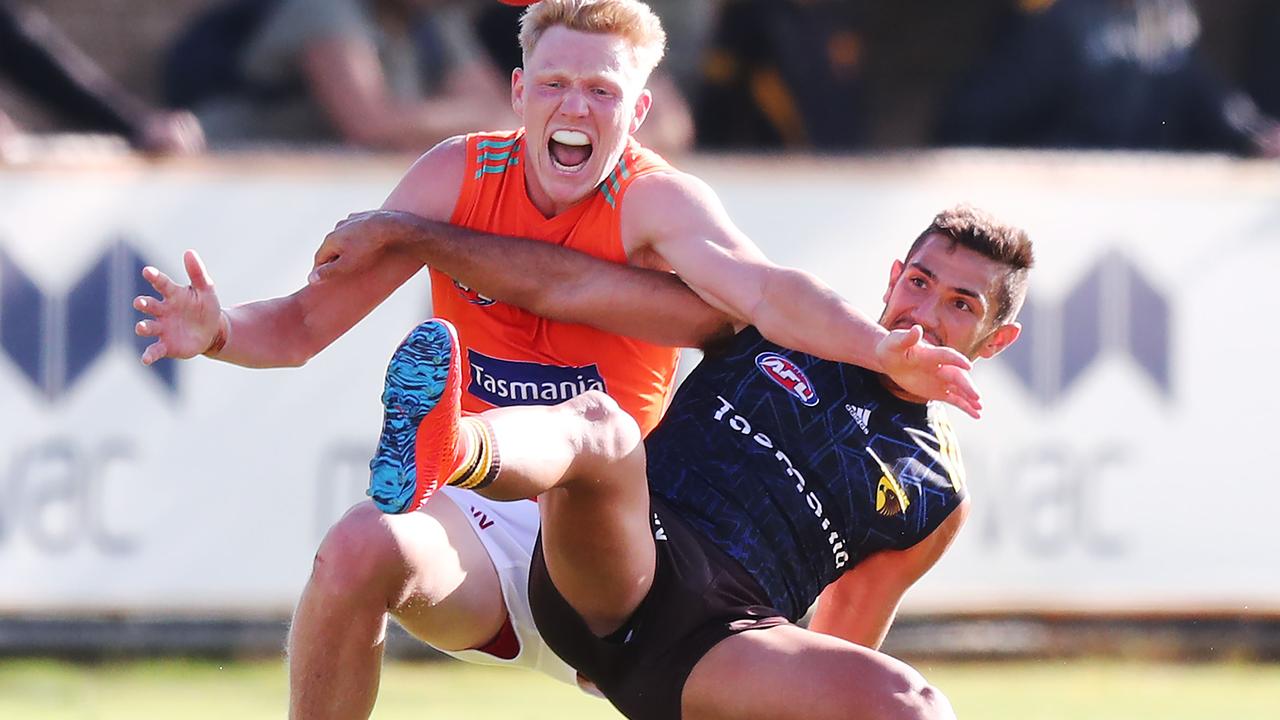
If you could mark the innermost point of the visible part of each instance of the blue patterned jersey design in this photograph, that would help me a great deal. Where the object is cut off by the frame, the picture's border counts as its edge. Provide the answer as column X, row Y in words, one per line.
column 799, row 467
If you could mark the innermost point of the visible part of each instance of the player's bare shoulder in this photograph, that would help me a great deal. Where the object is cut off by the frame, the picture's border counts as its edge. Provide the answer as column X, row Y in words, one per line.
column 670, row 189
column 431, row 186
column 668, row 204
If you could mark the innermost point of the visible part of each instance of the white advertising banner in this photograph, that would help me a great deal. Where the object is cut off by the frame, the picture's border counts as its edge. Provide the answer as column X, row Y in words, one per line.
column 1112, row 471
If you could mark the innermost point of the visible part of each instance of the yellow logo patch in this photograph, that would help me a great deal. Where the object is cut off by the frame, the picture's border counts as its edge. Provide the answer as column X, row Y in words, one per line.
column 891, row 499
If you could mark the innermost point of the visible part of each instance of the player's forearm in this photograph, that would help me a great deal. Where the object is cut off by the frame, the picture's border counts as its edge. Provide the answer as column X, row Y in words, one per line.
column 267, row 334
column 861, row 606
column 798, row 311
column 866, row 626
column 288, row 331
column 564, row 285
column 656, row 307
column 515, row 271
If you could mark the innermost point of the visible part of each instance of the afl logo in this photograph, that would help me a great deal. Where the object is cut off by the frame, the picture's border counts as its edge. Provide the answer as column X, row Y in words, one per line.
column 785, row 373
column 472, row 296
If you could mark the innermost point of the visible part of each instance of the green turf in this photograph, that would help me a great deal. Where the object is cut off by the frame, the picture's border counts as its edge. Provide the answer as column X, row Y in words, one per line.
column 1047, row 690
column 1056, row 690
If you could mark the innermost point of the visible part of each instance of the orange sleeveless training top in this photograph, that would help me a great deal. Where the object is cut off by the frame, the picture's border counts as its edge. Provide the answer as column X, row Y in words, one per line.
column 512, row 357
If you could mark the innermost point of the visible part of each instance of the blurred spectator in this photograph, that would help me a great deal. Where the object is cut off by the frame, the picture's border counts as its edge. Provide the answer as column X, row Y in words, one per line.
column 1103, row 74
column 784, row 73
column 44, row 63
column 669, row 128
column 1263, row 65
column 689, row 24
column 385, row 74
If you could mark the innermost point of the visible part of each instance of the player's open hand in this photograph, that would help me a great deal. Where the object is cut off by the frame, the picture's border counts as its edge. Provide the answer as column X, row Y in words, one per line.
column 185, row 319
column 929, row 371
column 355, row 244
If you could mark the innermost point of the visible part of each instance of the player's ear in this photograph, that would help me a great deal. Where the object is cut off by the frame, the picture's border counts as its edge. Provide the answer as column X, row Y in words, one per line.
column 643, row 103
column 517, row 91
column 996, row 342
column 894, row 273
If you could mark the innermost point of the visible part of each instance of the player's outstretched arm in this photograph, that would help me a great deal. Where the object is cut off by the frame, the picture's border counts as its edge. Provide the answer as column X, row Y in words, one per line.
column 288, row 331
column 188, row 320
column 861, row 605
column 545, row 279
column 680, row 218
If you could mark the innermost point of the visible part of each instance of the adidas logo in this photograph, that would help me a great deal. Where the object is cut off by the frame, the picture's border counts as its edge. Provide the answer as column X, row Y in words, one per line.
column 862, row 416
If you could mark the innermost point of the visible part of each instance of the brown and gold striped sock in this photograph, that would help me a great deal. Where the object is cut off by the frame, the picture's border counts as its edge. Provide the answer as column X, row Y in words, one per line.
column 481, row 464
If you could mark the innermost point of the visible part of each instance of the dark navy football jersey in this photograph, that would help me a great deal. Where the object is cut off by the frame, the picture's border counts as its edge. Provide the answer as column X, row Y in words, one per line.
column 799, row 467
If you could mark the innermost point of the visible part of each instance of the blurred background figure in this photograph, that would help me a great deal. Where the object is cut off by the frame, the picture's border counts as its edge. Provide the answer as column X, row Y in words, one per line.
column 379, row 74
column 784, row 74
column 669, row 128
column 48, row 67
column 1262, row 67
column 1109, row 74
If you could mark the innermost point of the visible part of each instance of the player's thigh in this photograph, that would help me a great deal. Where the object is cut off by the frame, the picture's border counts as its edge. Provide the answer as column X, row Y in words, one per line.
column 599, row 552
column 454, row 596
column 596, row 536
column 428, row 568
column 788, row 672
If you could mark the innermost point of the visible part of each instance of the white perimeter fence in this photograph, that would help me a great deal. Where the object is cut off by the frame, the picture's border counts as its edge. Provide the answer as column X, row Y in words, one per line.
column 1124, row 464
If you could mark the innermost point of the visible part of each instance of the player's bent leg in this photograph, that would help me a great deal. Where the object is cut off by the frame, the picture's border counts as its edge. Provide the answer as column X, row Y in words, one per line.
column 596, row 537
column 585, row 460
column 787, row 672
column 427, row 568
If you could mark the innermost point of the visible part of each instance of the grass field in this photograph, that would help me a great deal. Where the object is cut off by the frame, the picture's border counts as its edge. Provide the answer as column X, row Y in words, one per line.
column 203, row 690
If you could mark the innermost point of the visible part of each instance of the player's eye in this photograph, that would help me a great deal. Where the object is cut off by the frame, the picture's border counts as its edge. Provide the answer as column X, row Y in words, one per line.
column 963, row 306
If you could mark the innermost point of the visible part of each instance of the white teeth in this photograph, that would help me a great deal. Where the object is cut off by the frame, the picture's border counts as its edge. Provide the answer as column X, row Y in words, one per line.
column 571, row 137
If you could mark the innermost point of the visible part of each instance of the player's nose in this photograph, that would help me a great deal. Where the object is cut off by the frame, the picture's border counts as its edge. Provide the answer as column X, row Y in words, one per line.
column 928, row 312
column 926, row 316
column 574, row 103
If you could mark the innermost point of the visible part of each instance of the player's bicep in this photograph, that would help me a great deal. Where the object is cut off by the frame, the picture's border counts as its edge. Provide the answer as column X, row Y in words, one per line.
column 728, row 275
column 681, row 219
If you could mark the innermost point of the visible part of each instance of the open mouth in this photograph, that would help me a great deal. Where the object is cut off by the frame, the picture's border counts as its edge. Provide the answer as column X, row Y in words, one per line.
column 569, row 149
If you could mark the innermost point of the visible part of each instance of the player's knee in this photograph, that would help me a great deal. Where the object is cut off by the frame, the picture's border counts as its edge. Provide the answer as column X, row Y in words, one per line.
column 609, row 434
column 596, row 407
column 359, row 555
column 935, row 704
column 922, row 701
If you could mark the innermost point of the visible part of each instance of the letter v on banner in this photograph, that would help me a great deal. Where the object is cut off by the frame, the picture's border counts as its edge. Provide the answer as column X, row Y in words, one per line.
column 1112, row 310
column 54, row 339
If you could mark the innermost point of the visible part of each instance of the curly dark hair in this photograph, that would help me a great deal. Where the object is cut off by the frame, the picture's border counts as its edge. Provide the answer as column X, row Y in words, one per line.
column 981, row 232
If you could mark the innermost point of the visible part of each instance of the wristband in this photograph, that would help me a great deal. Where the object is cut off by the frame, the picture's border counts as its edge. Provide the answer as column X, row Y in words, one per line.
column 221, row 337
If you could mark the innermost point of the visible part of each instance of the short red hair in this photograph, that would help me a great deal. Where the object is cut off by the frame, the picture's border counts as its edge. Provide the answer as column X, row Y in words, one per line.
column 629, row 19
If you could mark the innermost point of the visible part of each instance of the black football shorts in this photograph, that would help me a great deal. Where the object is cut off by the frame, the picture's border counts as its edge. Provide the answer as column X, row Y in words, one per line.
column 699, row 597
